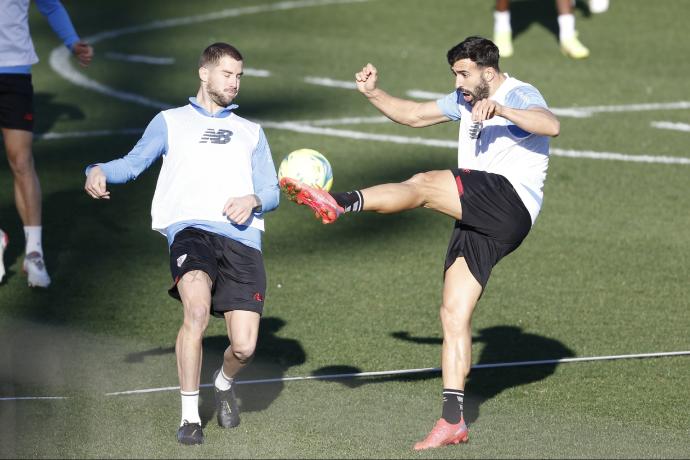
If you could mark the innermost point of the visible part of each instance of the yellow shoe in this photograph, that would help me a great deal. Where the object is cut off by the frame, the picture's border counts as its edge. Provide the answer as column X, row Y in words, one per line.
column 504, row 41
column 572, row 47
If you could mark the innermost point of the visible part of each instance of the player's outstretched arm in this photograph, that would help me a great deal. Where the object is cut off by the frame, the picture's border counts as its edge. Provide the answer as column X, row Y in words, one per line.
column 95, row 184
column 403, row 111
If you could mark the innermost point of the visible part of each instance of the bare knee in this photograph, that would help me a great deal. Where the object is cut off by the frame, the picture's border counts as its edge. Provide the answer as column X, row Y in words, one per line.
column 196, row 318
column 21, row 163
column 456, row 319
column 242, row 351
column 420, row 180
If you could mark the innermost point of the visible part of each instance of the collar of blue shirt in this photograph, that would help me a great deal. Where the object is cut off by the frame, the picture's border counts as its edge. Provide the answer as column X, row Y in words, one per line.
column 222, row 113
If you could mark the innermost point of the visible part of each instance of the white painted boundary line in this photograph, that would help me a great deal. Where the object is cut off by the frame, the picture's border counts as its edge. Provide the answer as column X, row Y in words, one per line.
column 421, row 371
column 139, row 58
column 256, row 72
column 33, row 398
column 324, row 81
column 671, row 125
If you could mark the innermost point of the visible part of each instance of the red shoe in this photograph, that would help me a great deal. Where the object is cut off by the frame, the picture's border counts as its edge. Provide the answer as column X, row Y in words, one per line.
column 444, row 434
column 323, row 204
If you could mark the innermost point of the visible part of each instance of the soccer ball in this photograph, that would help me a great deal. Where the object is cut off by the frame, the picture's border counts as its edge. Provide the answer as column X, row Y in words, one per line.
column 307, row 166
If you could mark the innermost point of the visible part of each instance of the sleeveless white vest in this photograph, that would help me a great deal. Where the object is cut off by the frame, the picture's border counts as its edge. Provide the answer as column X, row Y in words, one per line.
column 504, row 149
column 208, row 161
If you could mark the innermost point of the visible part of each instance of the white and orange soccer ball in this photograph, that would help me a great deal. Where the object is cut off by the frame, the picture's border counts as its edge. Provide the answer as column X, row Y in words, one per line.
column 307, row 166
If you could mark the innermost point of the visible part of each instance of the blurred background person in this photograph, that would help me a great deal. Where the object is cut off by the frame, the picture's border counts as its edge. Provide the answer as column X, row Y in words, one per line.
column 17, row 55
column 567, row 35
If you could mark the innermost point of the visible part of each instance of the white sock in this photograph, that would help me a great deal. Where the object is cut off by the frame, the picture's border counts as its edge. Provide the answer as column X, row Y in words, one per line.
column 502, row 21
column 566, row 26
column 190, row 407
column 33, row 239
column 223, row 382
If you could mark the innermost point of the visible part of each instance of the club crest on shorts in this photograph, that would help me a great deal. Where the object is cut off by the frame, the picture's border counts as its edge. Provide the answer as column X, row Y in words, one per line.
column 181, row 259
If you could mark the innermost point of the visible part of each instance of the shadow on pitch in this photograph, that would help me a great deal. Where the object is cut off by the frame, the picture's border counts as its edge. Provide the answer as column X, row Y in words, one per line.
column 524, row 14
column 502, row 344
column 274, row 356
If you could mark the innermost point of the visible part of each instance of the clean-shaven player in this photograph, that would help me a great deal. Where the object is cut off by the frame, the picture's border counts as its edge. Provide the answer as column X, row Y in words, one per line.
column 17, row 55
column 494, row 195
column 216, row 182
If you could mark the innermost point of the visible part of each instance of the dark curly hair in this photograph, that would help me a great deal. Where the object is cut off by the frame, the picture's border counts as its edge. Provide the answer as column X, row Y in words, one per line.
column 479, row 50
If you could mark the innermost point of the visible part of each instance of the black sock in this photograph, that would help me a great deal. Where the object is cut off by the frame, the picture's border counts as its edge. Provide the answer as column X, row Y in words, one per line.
column 452, row 405
column 350, row 201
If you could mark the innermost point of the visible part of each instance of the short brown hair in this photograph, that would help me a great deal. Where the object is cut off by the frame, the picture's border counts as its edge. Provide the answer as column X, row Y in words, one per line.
column 215, row 52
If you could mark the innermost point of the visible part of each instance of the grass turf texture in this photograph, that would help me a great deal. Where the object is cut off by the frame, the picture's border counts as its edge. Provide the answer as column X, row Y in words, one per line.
column 604, row 271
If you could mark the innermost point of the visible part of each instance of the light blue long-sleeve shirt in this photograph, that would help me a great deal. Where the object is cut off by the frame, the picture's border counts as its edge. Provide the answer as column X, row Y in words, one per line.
column 59, row 21
column 154, row 143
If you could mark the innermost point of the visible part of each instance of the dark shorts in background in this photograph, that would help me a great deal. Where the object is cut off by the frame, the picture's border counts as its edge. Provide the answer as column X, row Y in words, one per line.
column 16, row 102
column 494, row 222
column 236, row 270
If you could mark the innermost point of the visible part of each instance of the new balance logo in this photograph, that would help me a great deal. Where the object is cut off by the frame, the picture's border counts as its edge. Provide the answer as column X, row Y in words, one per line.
column 221, row 136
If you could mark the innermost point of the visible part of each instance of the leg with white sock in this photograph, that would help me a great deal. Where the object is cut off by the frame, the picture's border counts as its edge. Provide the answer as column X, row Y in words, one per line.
column 195, row 292
column 503, row 32
column 27, row 197
column 567, row 35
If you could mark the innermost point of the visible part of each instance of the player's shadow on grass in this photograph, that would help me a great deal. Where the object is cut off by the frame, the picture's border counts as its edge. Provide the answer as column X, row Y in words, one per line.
column 48, row 112
column 543, row 12
column 503, row 344
column 273, row 357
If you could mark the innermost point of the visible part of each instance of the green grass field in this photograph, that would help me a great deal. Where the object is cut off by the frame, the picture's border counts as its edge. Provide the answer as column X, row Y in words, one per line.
column 605, row 270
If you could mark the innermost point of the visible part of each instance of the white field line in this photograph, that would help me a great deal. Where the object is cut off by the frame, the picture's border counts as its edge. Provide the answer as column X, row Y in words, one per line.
column 420, row 371
column 325, row 81
column 671, row 125
column 256, row 72
column 421, row 94
column 308, row 129
column 32, row 398
column 349, row 134
column 347, row 121
column 139, row 58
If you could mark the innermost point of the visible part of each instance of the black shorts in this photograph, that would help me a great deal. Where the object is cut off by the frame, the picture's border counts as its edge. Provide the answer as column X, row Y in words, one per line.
column 494, row 222
column 236, row 270
column 16, row 102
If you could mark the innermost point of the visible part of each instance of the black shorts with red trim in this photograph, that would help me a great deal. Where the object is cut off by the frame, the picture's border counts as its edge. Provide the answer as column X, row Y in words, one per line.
column 237, row 271
column 494, row 222
column 16, row 102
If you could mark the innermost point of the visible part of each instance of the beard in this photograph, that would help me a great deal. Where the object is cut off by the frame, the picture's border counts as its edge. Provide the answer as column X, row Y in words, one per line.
column 480, row 92
column 219, row 98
